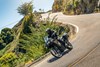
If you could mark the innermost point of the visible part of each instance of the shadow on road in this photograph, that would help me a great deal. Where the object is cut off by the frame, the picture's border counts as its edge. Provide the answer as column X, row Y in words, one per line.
column 52, row 59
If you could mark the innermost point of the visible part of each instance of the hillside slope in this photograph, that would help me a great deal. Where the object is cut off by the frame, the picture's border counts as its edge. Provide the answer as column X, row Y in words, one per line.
column 76, row 6
column 28, row 43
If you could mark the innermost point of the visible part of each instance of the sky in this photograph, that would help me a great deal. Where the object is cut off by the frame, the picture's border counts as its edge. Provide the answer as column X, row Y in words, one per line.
column 8, row 10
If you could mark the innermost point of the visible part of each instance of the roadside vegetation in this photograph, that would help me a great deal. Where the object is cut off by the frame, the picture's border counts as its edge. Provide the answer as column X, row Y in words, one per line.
column 76, row 7
column 24, row 42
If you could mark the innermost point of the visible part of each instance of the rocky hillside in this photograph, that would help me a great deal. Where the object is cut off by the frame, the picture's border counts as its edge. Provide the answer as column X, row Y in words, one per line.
column 76, row 6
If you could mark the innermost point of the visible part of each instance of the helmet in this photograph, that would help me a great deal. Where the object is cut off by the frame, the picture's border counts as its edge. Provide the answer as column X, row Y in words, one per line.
column 48, row 30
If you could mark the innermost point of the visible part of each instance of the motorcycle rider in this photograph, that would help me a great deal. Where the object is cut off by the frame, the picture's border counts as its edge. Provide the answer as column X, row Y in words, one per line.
column 52, row 34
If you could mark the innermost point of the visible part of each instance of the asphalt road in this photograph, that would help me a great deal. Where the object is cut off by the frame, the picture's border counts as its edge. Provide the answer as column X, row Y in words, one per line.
column 85, row 53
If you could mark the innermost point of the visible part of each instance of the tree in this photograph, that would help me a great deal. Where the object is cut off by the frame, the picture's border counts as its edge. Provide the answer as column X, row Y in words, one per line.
column 7, row 35
column 1, row 43
column 25, row 8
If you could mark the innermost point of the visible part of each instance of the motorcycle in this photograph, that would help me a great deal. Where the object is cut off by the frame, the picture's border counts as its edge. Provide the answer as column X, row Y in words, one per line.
column 58, row 46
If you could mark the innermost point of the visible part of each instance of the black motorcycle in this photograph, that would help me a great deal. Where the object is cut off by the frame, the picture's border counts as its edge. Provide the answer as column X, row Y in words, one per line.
column 58, row 46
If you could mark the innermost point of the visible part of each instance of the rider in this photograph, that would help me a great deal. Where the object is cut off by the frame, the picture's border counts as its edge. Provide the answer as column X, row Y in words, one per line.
column 52, row 34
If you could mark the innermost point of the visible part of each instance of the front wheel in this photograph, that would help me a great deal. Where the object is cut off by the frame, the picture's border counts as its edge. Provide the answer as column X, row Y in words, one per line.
column 56, row 52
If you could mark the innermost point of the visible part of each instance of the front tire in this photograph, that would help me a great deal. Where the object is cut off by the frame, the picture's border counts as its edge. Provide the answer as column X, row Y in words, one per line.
column 56, row 52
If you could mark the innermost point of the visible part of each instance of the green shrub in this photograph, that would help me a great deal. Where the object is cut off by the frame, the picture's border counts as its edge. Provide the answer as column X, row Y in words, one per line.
column 8, row 60
column 7, row 35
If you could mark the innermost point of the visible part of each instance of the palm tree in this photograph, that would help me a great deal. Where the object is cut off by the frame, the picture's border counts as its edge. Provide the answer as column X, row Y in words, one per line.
column 25, row 8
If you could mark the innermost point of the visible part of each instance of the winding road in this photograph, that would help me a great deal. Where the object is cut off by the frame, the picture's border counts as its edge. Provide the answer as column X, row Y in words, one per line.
column 86, row 51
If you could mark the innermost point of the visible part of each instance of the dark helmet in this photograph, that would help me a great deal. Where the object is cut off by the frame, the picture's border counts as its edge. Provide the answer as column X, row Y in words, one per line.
column 48, row 30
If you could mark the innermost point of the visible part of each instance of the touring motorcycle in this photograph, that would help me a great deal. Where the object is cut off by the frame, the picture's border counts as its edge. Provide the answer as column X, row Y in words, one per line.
column 58, row 46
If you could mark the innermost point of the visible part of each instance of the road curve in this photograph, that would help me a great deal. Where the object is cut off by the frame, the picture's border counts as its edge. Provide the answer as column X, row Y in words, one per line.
column 86, row 40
